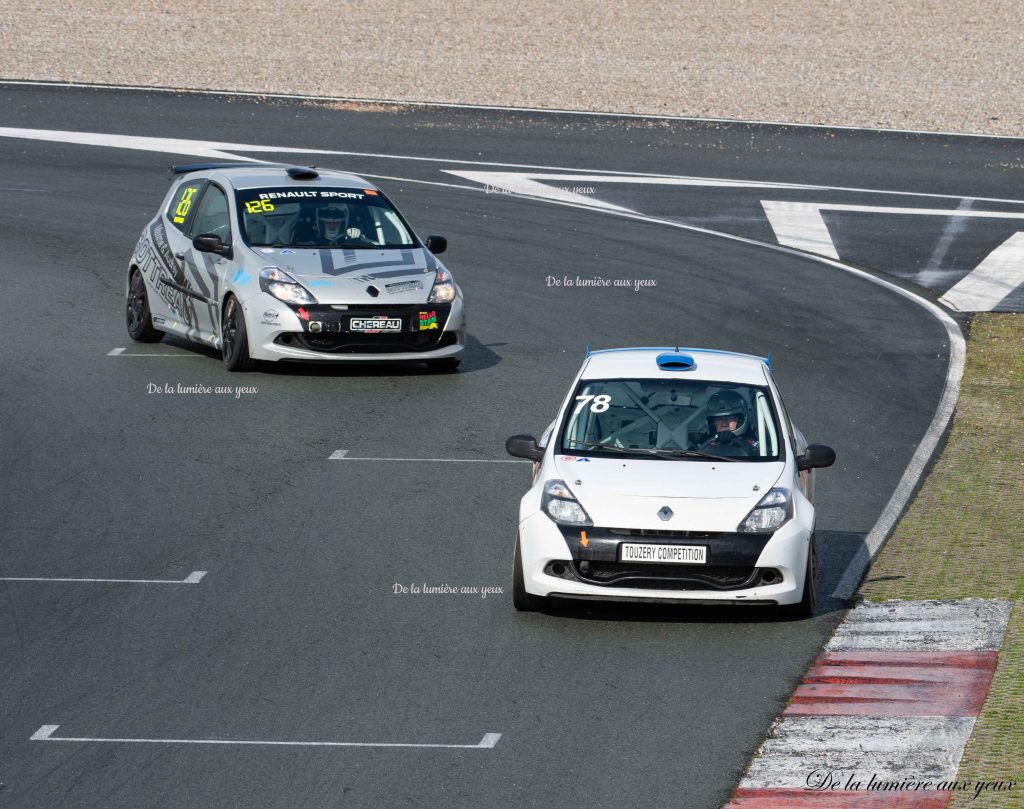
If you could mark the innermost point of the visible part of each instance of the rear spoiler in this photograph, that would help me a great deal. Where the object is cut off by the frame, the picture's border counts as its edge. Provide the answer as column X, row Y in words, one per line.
column 190, row 167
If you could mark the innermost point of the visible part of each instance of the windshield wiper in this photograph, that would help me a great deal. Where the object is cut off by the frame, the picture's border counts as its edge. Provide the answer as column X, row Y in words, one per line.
column 692, row 453
column 657, row 453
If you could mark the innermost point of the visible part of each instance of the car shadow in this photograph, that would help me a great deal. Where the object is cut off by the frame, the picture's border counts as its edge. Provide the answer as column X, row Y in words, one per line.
column 477, row 357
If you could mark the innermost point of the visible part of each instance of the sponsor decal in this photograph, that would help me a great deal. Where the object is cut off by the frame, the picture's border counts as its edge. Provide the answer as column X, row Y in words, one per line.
column 270, row 317
column 584, row 460
column 568, row 458
column 155, row 260
column 266, row 249
column 324, row 194
column 287, row 252
column 374, row 325
column 428, row 320
column 403, row 286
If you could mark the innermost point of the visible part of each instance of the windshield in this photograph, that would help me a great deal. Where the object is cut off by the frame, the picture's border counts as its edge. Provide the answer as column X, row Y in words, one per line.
column 320, row 217
column 672, row 419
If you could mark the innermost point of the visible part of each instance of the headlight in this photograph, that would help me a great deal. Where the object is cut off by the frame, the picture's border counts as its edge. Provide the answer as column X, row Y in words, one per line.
column 560, row 505
column 775, row 508
column 283, row 287
column 444, row 288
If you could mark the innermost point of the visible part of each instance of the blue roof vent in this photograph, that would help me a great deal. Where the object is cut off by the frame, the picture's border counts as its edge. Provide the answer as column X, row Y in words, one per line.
column 675, row 362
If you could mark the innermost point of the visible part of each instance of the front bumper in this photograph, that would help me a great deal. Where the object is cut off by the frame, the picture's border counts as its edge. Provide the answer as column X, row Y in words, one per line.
column 324, row 333
column 740, row 568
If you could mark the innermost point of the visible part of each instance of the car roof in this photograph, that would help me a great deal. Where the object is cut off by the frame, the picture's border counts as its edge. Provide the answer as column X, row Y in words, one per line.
column 258, row 175
column 677, row 363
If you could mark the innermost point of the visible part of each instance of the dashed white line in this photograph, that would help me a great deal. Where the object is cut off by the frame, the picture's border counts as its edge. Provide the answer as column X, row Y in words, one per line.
column 194, row 577
column 122, row 352
column 45, row 734
column 342, row 455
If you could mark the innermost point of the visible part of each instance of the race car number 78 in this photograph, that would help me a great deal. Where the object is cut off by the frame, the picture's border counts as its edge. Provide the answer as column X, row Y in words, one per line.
column 599, row 405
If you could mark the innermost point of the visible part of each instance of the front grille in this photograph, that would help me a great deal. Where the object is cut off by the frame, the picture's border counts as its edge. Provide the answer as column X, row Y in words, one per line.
column 665, row 577
column 657, row 532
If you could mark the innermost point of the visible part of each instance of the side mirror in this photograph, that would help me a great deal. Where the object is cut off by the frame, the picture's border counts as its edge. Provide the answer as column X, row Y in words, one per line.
column 211, row 243
column 816, row 456
column 437, row 244
column 524, row 446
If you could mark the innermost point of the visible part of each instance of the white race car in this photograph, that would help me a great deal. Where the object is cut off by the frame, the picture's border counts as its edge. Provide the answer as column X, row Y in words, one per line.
column 291, row 263
column 670, row 475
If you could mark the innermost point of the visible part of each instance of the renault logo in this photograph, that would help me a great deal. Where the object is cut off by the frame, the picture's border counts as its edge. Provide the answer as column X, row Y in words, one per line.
column 665, row 513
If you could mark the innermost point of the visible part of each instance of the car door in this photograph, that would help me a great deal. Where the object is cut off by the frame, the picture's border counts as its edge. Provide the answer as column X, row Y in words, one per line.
column 207, row 271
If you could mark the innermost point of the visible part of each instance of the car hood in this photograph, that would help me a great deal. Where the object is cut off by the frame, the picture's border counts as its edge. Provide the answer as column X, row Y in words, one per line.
column 352, row 276
column 702, row 495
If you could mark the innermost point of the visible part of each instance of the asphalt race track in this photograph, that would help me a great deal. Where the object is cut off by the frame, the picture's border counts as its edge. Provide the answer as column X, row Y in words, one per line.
column 295, row 633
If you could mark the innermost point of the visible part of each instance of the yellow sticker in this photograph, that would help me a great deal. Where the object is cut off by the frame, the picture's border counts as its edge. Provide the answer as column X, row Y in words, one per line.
column 184, row 204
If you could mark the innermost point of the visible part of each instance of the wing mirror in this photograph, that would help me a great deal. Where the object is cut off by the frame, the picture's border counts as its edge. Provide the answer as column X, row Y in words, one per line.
column 211, row 243
column 816, row 456
column 524, row 446
column 437, row 244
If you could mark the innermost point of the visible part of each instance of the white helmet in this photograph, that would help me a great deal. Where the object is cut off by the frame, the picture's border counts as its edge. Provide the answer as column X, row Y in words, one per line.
column 332, row 220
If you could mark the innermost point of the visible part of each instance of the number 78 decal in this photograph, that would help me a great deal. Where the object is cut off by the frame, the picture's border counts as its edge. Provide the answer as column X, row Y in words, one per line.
column 598, row 405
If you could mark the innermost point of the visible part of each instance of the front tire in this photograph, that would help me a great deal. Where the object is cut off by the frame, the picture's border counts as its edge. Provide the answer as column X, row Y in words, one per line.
column 522, row 600
column 138, row 317
column 234, row 342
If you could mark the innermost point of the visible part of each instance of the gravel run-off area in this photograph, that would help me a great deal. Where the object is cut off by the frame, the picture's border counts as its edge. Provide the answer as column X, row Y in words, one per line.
column 922, row 64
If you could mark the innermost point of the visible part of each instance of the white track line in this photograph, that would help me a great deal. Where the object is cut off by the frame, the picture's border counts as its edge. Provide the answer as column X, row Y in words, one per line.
column 342, row 455
column 223, row 150
column 194, row 577
column 492, row 107
column 123, row 352
column 1001, row 272
column 45, row 734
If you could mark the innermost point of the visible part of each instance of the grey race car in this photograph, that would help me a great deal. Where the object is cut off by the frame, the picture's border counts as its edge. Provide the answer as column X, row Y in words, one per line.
column 276, row 263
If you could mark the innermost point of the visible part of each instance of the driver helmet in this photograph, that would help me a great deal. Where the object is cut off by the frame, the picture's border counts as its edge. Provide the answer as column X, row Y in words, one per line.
column 727, row 405
column 332, row 220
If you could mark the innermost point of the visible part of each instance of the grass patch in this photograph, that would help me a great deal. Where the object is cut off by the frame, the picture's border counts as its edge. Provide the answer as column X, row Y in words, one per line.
column 963, row 537
column 995, row 751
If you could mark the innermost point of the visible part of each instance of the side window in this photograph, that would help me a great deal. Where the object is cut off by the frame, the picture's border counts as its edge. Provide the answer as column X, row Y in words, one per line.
column 183, row 204
column 212, row 216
